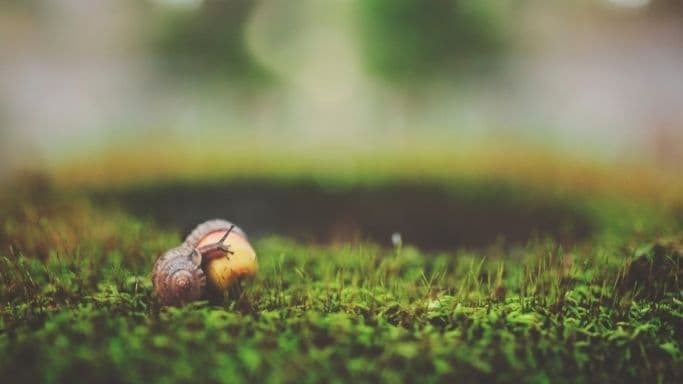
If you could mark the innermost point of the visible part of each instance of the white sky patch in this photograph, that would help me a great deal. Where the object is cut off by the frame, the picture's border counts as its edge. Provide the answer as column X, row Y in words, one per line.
column 629, row 3
column 181, row 4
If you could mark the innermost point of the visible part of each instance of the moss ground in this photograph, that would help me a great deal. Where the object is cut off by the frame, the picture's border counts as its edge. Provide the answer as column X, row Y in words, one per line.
column 76, row 304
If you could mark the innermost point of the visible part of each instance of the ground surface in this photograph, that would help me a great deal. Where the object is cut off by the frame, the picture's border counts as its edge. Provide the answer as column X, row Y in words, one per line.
column 598, row 300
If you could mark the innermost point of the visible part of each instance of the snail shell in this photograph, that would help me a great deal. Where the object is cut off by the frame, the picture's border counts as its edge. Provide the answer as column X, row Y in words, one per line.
column 223, row 270
column 208, row 227
column 177, row 276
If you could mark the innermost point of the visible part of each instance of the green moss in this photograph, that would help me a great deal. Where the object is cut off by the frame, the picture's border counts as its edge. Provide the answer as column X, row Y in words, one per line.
column 77, row 305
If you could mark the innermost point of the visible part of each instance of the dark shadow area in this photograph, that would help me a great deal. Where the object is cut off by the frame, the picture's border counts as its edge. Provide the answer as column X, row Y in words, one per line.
column 429, row 216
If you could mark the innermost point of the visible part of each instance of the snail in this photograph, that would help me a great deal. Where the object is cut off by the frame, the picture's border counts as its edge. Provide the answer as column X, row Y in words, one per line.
column 223, row 268
column 180, row 275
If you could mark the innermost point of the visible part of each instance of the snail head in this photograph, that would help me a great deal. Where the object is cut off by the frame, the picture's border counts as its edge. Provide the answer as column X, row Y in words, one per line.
column 217, row 249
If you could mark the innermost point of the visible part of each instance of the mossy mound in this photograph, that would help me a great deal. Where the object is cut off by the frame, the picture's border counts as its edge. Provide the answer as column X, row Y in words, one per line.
column 656, row 269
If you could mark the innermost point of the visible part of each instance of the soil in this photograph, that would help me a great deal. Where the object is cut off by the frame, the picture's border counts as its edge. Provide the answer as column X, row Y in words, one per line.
column 428, row 216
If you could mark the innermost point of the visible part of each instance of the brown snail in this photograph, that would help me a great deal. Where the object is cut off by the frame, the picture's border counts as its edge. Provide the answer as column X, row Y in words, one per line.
column 177, row 276
column 180, row 274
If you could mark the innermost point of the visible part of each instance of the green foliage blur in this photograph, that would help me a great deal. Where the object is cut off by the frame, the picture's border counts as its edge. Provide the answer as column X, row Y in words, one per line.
column 400, row 39
column 208, row 41
column 411, row 39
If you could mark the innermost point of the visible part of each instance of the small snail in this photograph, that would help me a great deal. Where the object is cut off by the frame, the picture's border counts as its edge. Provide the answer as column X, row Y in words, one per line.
column 180, row 275
column 223, row 268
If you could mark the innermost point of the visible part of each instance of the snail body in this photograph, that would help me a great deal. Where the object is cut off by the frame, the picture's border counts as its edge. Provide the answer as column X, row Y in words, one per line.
column 214, row 256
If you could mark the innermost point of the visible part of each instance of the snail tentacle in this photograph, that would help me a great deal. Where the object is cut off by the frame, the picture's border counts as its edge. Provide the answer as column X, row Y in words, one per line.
column 218, row 246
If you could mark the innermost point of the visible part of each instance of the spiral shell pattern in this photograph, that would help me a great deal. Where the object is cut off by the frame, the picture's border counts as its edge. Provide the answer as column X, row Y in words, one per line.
column 207, row 227
column 177, row 276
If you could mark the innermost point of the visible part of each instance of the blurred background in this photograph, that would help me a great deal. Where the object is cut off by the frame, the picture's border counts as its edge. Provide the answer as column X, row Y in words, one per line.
column 450, row 122
column 599, row 79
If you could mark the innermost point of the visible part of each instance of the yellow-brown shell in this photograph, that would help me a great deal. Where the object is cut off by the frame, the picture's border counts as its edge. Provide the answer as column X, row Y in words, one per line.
column 222, row 270
column 177, row 276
